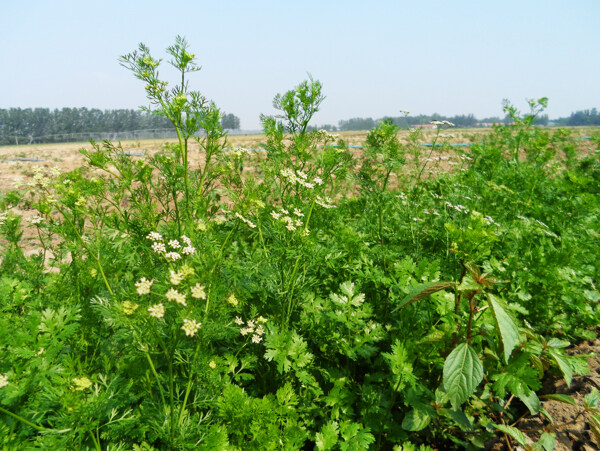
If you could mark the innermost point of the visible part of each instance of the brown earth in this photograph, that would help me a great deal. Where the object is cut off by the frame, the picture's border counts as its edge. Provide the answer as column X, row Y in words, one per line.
column 14, row 159
column 570, row 422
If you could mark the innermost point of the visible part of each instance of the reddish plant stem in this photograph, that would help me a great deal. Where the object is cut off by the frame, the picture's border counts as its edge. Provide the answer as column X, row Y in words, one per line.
column 471, row 311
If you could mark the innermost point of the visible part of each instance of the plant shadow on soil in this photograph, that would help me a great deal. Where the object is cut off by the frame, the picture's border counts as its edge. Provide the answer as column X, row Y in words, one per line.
column 572, row 429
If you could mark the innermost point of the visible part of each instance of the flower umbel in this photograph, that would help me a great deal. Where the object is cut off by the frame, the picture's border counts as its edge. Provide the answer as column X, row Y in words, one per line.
column 190, row 327
column 232, row 300
column 198, row 291
column 81, row 383
column 129, row 307
column 174, row 295
column 143, row 286
column 157, row 311
column 175, row 277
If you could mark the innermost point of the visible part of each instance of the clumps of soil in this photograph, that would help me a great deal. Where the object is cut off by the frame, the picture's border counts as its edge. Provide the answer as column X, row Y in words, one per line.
column 571, row 425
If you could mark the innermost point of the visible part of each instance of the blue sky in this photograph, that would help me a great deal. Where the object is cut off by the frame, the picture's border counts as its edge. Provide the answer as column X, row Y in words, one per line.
column 374, row 57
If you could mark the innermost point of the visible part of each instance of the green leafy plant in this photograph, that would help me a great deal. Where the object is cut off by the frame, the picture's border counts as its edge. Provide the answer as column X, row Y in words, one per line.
column 308, row 296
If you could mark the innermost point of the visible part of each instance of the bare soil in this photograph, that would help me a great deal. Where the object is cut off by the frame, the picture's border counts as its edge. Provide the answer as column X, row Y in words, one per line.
column 570, row 424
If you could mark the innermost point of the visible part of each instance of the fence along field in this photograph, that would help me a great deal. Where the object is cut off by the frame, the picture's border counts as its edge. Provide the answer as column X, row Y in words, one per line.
column 311, row 295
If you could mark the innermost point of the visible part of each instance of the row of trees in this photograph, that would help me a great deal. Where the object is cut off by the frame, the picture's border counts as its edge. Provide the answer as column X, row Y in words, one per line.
column 583, row 117
column 42, row 125
column 464, row 121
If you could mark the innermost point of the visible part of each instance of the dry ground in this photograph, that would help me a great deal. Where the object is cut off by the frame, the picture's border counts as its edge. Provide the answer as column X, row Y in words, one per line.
column 66, row 156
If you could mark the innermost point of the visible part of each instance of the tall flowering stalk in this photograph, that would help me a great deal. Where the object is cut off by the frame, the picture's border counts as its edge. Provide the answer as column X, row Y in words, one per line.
column 189, row 111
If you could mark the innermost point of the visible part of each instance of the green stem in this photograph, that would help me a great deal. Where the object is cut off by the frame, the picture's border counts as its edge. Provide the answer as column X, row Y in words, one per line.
column 428, row 156
column 208, row 148
column 96, row 441
column 471, row 311
column 23, row 420
column 312, row 206
column 177, row 215
column 217, row 260
column 389, row 412
column 151, row 363
column 189, row 386
column 89, row 251
column 172, row 403
column 292, row 285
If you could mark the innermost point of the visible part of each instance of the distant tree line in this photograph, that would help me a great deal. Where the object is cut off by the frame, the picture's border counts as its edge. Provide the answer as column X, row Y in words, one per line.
column 42, row 125
column 411, row 121
column 360, row 123
column 583, row 117
column 462, row 121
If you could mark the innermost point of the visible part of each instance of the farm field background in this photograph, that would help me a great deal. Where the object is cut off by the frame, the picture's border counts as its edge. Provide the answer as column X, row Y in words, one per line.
column 19, row 161
column 67, row 157
column 313, row 295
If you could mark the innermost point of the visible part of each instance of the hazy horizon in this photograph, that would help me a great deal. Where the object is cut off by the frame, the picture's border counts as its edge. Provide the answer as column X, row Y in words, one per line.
column 374, row 59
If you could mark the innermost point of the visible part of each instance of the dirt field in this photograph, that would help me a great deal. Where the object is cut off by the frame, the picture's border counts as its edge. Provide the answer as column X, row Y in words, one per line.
column 17, row 160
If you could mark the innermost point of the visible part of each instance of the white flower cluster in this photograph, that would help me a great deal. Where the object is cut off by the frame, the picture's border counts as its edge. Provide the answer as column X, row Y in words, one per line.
column 172, row 255
column 3, row 380
column 433, row 211
column 157, row 311
column 300, row 178
column 291, row 223
column 198, row 291
column 252, row 327
column 247, row 221
column 459, row 208
column 240, row 152
column 489, row 220
column 36, row 220
column 190, row 327
column 544, row 227
column 176, row 277
column 446, row 123
column 41, row 177
column 159, row 247
column 325, row 203
column 154, row 236
column 173, row 295
column 143, row 286
column 325, row 135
